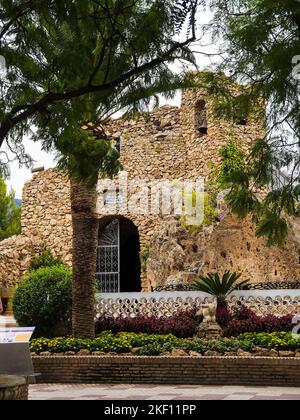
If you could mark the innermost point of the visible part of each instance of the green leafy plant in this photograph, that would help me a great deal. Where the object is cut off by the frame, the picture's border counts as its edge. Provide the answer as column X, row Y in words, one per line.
column 155, row 345
column 43, row 299
column 261, row 39
column 194, row 200
column 144, row 256
column 217, row 286
column 98, row 57
column 45, row 259
column 276, row 341
column 10, row 213
column 154, row 349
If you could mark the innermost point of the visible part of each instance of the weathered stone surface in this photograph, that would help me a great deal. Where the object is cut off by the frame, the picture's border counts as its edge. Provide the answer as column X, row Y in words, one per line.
column 136, row 350
column 286, row 354
column 259, row 351
column 179, row 353
column 242, row 353
column 211, row 353
column 229, row 244
column 230, row 354
column 13, row 388
column 210, row 330
column 195, row 354
column 45, row 354
column 84, row 352
column 273, row 353
column 46, row 223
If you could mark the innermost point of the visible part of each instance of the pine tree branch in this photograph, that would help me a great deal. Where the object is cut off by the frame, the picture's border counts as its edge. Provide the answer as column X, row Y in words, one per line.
column 24, row 9
column 13, row 120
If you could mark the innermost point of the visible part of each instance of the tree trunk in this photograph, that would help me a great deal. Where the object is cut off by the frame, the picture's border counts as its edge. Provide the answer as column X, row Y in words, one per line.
column 85, row 241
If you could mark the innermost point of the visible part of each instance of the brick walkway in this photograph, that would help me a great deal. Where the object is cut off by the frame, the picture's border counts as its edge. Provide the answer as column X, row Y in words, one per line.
column 154, row 392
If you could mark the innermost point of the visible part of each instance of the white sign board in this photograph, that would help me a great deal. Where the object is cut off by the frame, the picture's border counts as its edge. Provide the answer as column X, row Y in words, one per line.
column 15, row 335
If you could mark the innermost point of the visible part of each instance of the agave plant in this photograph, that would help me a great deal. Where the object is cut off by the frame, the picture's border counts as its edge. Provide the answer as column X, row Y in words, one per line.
column 220, row 287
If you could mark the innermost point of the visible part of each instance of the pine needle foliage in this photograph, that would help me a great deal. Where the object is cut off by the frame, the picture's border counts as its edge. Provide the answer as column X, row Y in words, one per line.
column 69, row 62
column 261, row 39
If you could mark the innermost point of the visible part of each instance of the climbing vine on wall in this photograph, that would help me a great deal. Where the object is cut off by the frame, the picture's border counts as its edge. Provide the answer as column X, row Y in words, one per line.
column 144, row 256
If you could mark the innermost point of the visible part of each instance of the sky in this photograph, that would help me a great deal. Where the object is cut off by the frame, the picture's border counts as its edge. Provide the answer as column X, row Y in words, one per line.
column 19, row 175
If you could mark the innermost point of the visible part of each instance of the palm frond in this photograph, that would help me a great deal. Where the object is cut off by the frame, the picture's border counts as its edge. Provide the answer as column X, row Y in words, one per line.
column 218, row 286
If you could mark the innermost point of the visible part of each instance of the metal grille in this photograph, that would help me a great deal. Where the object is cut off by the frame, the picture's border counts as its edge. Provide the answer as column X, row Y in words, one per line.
column 108, row 259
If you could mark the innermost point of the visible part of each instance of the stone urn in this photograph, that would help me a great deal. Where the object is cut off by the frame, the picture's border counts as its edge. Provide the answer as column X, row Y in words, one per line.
column 13, row 388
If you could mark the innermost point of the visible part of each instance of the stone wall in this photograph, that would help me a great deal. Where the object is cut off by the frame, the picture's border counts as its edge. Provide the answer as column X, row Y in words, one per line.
column 203, row 150
column 178, row 256
column 46, row 212
column 172, row 144
column 169, row 370
column 46, row 223
column 15, row 256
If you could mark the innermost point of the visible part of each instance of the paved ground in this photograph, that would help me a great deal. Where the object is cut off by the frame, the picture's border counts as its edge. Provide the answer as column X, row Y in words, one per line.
column 159, row 392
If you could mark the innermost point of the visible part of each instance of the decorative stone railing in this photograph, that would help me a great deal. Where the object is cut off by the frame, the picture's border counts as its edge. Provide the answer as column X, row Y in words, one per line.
column 278, row 302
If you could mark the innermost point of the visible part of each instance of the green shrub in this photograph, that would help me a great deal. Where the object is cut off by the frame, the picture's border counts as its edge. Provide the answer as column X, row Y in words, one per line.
column 140, row 340
column 154, row 349
column 46, row 259
column 277, row 341
column 58, row 345
column 109, row 343
column 223, row 346
column 195, row 345
column 44, row 299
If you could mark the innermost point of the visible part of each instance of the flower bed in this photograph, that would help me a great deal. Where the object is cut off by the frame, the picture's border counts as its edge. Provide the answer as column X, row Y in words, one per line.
column 156, row 345
column 244, row 320
column 183, row 324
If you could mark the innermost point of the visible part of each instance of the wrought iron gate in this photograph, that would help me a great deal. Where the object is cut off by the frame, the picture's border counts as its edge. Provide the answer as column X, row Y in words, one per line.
column 108, row 259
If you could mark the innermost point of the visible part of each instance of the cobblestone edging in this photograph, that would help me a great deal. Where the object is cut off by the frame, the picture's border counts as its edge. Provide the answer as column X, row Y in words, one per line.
column 169, row 370
column 13, row 388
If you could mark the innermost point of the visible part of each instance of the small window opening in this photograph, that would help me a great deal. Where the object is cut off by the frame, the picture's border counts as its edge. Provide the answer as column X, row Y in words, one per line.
column 201, row 118
column 242, row 121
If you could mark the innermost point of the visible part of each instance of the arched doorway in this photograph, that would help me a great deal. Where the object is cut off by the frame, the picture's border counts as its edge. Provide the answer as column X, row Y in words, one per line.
column 118, row 261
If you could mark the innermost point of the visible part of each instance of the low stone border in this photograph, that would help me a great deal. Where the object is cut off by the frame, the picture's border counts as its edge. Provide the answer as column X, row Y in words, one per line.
column 255, row 371
column 13, row 388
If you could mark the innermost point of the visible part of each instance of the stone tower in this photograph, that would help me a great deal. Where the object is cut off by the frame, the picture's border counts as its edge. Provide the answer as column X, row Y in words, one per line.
column 205, row 133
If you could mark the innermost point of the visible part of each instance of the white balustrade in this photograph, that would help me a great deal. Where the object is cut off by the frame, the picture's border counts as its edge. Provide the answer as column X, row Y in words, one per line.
column 277, row 302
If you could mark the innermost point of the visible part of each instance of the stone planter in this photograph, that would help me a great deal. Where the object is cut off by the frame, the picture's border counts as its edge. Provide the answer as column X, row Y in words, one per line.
column 13, row 388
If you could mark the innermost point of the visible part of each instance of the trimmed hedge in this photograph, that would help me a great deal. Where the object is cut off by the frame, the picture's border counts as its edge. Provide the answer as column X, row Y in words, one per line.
column 43, row 299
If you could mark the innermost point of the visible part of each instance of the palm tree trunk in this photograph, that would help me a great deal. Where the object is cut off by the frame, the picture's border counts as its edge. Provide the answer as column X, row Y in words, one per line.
column 85, row 240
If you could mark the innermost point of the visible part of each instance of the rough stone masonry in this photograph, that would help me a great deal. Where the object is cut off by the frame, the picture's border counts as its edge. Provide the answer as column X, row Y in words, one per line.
column 169, row 143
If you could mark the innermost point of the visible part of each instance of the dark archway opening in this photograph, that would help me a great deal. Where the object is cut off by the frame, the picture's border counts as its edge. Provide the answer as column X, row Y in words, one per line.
column 130, row 265
column 118, row 262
